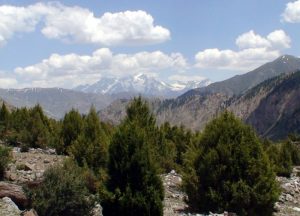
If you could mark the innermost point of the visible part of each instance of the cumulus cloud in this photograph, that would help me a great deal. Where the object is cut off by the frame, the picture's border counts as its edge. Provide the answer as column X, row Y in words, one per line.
column 72, row 69
column 254, row 50
column 291, row 13
column 16, row 19
column 80, row 25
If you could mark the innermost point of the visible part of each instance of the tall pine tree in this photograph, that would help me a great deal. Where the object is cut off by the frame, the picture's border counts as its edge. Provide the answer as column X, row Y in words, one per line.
column 134, row 180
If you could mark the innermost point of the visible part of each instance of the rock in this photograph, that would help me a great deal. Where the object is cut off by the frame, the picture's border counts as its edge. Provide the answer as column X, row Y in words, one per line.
column 289, row 198
column 14, row 192
column 97, row 210
column 32, row 212
column 29, row 166
column 46, row 160
column 8, row 207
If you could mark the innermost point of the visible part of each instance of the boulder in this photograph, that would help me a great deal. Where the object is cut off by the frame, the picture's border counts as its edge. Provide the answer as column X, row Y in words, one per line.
column 14, row 192
column 32, row 212
column 8, row 207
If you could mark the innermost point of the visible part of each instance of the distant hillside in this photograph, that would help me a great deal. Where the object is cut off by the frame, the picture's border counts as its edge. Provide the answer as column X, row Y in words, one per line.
column 241, row 83
column 278, row 113
column 55, row 101
column 271, row 105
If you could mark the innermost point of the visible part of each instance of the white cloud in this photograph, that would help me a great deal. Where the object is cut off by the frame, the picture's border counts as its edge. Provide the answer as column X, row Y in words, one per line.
column 291, row 13
column 251, row 40
column 72, row 69
column 279, row 39
column 254, row 50
column 80, row 25
column 16, row 19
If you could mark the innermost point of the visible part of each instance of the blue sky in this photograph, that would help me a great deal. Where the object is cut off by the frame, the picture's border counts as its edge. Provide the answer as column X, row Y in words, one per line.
column 67, row 43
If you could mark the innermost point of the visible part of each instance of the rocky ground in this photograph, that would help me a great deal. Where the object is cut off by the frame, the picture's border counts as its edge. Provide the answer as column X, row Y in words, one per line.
column 27, row 168
column 289, row 200
column 288, row 204
column 30, row 166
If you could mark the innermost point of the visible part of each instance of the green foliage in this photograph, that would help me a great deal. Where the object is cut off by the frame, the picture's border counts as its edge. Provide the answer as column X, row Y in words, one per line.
column 4, row 119
column 5, row 157
column 63, row 192
column 230, row 171
column 284, row 165
column 177, row 141
column 91, row 145
column 72, row 126
column 283, row 157
column 134, row 181
column 30, row 128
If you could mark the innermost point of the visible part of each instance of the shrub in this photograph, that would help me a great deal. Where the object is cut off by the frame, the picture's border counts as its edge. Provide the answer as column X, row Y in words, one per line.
column 5, row 156
column 62, row 192
column 231, row 171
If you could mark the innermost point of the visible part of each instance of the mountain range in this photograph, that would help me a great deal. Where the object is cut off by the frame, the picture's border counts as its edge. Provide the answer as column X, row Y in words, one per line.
column 55, row 101
column 266, row 98
column 143, row 84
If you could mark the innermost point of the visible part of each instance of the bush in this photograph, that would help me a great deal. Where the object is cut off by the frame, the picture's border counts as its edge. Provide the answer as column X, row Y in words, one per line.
column 63, row 192
column 231, row 172
column 5, row 156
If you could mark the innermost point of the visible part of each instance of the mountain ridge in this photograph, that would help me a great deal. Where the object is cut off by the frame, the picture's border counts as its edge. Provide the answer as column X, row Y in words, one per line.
column 141, row 84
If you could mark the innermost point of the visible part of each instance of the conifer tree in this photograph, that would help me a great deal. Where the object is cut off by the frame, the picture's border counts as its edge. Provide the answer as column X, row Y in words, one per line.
column 91, row 146
column 231, row 171
column 72, row 126
column 4, row 118
column 134, row 180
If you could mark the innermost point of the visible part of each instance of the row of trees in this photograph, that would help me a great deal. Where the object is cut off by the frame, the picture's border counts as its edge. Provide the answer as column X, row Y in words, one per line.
column 226, row 167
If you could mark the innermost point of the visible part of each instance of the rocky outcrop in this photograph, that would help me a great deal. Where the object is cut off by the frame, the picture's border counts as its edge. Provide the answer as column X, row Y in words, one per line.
column 289, row 200
column 14, row 192
column 8, row 207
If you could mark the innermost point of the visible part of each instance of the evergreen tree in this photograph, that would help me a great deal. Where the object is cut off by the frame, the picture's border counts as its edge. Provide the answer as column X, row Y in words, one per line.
column 4, row 119
column 72, row 126
column 5, row 157
column 91, row 146
column 134, row 180
column 231, row 171
column 284, row 161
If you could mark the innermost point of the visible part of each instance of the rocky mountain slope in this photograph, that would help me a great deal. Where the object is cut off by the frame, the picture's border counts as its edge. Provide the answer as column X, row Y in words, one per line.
column 141, row 84
column 55, row 101
column 271, row 106
column 278, row 113
column 241, row 83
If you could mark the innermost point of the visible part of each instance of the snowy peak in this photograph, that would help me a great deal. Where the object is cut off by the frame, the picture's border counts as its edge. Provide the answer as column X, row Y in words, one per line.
column 141, row 84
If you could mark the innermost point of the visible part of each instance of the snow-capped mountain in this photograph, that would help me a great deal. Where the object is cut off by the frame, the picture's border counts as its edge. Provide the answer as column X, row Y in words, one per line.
column 141, row 84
